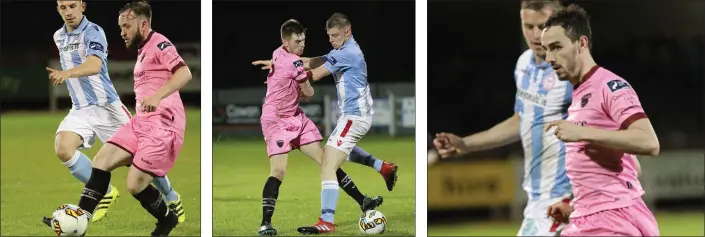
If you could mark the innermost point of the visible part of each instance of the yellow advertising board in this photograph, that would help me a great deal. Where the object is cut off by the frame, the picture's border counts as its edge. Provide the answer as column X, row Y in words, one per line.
column 471, row 184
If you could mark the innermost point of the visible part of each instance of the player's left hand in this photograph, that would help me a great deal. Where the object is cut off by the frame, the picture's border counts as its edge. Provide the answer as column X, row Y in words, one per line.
column 567, row 131
column 56, row 76
column 150, row 104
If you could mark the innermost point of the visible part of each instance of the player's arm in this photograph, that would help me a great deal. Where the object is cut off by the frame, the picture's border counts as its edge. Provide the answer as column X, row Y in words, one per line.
column 310, row 63
column 96, row 52
column 502, row 134
column 306, row 88
column 636, row 135
column 332, row 63
column 300, row 76
column 181, row 75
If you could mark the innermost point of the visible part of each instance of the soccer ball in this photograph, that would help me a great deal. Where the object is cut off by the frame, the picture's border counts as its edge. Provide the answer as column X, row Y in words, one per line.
column 69, row 220
column 373, row 222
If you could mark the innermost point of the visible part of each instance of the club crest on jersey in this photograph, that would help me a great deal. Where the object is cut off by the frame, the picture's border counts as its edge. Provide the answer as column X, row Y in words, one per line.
column 280, row 143
column 332, row 60
column 163, row 45
column 615, row 85
column 584, row 100
column 298, row 63
column 95, row 46
column 549, row 81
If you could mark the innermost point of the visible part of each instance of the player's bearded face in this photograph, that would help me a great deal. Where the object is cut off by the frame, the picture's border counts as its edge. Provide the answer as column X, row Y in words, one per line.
column 532, row 22
column 131, row 30
column 337, row 36
column 71, row 11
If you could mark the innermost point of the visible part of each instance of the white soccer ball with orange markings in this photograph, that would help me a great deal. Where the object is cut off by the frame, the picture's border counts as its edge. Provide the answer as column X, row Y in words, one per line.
column 373, row 222
column 69, row 220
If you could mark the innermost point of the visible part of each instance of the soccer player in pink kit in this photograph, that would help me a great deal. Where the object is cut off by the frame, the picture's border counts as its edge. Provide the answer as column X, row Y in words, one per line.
column 150, row 142
column 285, row 126
column 605, row 128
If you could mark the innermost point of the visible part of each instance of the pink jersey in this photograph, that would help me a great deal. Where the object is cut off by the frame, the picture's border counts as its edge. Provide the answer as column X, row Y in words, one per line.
column 603, row 100
column 283, row 89
column 157, row 60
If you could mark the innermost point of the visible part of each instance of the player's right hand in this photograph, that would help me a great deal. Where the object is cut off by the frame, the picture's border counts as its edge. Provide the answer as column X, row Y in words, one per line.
column 448, row 144
column 560, row 212
column 266, row 64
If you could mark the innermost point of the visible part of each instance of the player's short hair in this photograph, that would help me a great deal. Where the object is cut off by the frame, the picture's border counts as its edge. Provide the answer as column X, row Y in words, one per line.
column 337, row 20
column 575, row 20
column 291, row 28
column 538, row 5
column 140, row 8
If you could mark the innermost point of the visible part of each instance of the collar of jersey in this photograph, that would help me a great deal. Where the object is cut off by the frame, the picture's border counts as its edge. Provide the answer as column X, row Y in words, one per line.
column 81, row 26
column 347, row 42
column 149, row 36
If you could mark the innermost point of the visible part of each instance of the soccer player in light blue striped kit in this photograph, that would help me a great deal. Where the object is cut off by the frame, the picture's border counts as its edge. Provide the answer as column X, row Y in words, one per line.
column 540, row 98
column 97, row 110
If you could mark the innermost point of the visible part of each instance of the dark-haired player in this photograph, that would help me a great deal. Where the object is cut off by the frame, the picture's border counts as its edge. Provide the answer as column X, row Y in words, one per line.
column 605, row 128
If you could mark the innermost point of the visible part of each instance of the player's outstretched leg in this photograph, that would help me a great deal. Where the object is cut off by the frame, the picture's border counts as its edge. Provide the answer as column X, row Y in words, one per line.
column 108, row 158
column 366, row 203
column 332, row 160
column 314, row 151
column 388, row 170
column 80, row 166
column 270, row 193
column 151, row 200
column 173, row 198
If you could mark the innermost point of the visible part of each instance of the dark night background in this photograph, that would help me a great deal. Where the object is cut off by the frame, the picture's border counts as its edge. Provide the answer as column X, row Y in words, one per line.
column 28, row 27
column 248, row 31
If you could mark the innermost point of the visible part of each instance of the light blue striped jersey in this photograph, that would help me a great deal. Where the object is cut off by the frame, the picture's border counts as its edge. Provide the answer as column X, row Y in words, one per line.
column 349, row 69
column 541, row 98
column 74, row 47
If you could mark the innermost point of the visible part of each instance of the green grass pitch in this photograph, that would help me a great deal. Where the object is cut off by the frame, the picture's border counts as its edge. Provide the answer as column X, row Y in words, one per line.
column 670, row 224
column 241, row 167
column 34, row 182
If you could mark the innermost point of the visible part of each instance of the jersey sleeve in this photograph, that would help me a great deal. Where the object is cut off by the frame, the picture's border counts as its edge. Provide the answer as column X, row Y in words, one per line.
column 298, row 71
column 337, row 61
column 95, row 42
column 622, row 103
column 169, row 56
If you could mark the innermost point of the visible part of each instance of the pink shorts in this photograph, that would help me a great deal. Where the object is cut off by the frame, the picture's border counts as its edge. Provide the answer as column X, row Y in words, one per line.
column 634, row 220
column 285, row 134
column 154, row 150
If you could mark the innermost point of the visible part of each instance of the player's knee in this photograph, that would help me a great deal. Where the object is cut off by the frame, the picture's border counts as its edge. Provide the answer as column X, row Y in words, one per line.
column 278, row 172
column 65, row 153
column 135, row 187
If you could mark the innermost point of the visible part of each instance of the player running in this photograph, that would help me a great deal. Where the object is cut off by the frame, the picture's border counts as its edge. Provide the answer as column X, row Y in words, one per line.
column 150, row 142
column 97, row 110
column 286, row 127
column 540, row 98
column 388, row 170
column 605, row 128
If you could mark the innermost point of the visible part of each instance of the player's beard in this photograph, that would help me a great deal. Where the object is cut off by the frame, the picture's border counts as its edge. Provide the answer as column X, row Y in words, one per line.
column 136, row 42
